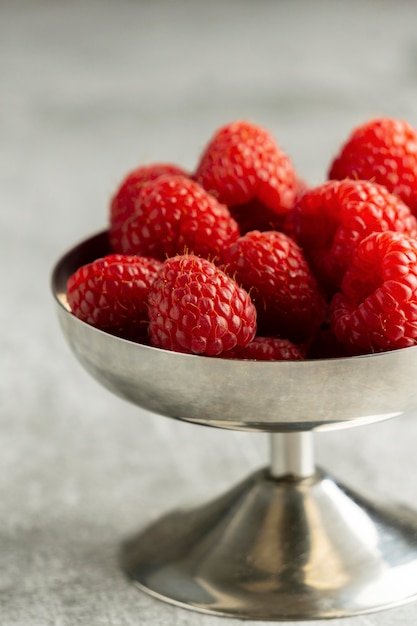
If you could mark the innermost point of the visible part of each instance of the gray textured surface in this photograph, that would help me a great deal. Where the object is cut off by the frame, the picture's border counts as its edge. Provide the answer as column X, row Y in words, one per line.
column 89, row 89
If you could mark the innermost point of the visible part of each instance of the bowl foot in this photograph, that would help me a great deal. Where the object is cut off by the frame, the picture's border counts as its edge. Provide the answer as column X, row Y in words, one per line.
column 276, row 549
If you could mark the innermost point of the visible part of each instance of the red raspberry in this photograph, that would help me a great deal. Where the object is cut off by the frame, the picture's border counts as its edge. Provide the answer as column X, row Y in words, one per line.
column 123, row 202
column 241, row 165
column 266, row 349
column 271, row 266
column 376, row 309
column 331, row 219
column 111, row 294
column 194, row 307
column 173, row 215
column 385, row 151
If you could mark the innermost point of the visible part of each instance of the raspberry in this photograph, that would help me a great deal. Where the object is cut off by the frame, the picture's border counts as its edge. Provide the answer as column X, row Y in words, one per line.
column 271, row 266
column 331, row 219
column 383, row 150
column 266, row 349
column 376, row 309
column 173, row 215
column 245, row 169
column 194, row 307
column 123, row 202
column 111, row 294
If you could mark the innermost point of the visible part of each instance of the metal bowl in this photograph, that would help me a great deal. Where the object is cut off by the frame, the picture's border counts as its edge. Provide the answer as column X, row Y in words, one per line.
column 276, row 396
column 290, row 542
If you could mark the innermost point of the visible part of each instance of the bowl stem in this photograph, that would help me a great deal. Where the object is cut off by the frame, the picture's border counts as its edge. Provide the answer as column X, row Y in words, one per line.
column 292, row 454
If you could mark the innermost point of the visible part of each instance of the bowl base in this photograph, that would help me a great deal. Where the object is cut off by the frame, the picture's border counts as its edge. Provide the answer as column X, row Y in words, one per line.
column 280, row 549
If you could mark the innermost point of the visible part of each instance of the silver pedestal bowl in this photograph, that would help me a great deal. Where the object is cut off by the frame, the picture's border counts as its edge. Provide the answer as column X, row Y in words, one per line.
column 289, row 542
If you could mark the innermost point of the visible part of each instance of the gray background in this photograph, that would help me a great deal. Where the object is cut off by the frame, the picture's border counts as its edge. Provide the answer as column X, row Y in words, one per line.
column 89, row 89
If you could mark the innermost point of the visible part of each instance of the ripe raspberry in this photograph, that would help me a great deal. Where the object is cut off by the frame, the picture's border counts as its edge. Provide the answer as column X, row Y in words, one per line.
column 383, row 150
column 194, row 307
column 331, row 219
column 266, row 349
column 271, row 266
column 173, row 215
column 242, row 165
column 111, row 294
column 123, row 202
column 376, row 309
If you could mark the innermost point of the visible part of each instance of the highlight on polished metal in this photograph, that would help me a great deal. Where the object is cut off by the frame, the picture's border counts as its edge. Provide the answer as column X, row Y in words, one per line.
column 289, row 542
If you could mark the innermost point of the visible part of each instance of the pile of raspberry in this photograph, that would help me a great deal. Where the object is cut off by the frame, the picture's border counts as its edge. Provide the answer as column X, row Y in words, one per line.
column 242, row 259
